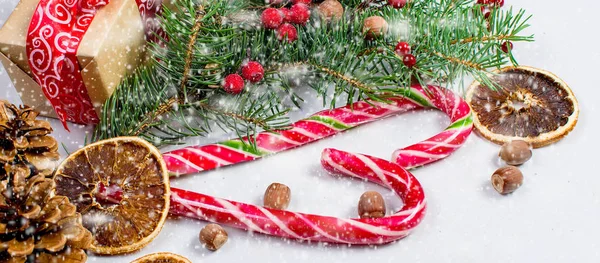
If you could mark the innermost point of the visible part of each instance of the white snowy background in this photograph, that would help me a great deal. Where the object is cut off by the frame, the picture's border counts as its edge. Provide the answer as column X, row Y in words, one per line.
column 553, row 217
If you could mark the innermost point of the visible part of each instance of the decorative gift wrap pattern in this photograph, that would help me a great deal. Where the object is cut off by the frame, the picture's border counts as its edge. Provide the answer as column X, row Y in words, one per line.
column 78, row 50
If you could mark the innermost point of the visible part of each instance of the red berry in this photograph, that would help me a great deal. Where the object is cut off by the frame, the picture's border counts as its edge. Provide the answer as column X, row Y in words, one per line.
column 299, row 14
column 497, row 3
column 286, row 13
column 253, row 71
column 483, row 2
column 486, row 11
column 271, row 18
column 306, row 2
column 397, row 3
column 409, row 60
column 287, row 30
column 402, row 48
column 507, row 46
column 233, row 84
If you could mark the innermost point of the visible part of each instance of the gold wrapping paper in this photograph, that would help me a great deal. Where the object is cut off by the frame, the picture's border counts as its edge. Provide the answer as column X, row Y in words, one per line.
column 113, row 47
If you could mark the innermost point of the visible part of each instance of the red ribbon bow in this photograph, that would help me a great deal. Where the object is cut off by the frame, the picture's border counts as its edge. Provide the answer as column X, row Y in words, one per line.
column 54, row 35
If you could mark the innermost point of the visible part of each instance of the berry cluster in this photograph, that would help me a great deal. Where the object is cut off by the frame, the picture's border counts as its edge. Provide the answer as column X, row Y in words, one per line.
column 251, row 71
column 496, row 3
column 281, row 19
column 403, row 50
column 488, row 5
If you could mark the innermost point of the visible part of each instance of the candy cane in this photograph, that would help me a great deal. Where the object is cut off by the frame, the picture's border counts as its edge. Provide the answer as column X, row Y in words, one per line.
column 320, row 125
column 329, row 122
column 314, row 227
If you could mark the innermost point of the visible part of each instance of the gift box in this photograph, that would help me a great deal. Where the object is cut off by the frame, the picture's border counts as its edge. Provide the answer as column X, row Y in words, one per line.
column 112, row 47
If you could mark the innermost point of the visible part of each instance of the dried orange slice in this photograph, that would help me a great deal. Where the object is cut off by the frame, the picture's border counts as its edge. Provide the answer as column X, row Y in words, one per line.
column 162, row 257
column 129, row 165
column 533, row 105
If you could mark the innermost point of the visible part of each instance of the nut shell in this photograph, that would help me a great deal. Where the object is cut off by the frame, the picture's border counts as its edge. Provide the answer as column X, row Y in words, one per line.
column 515, row 152
column 371, row 205
column 507, row 179
column 213, row 236
column 374, row 26
column 277, row 196
column 331, row 10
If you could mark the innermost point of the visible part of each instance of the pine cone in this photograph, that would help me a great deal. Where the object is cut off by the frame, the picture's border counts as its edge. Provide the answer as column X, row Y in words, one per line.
column 35, row 224
column 23, row 139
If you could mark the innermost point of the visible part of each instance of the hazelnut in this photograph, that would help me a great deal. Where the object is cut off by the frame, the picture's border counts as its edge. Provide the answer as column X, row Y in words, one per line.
column 277, row 196
column 374, row 26
column 515, row 152
column 371, row 205
column 331, row 9
column 213, row 236
column 507, row 179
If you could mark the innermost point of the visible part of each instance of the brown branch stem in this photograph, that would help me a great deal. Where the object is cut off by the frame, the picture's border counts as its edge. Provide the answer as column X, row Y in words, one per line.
column 190, row 51
column 341, row 76
column 232, row 115
column 362, row 86
column 168, row 105
column 162, row 109
column 482, row 39
column 458, row 60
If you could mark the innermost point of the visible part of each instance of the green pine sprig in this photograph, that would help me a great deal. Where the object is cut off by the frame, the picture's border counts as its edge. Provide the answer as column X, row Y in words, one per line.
column 178, row 95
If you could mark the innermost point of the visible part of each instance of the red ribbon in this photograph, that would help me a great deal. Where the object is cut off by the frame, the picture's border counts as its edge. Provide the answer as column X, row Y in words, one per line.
column 54, row 35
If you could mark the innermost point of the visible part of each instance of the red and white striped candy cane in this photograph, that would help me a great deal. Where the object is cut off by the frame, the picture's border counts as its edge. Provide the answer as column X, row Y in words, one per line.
column 301, row 226
column 323, row 124
column 329, row 122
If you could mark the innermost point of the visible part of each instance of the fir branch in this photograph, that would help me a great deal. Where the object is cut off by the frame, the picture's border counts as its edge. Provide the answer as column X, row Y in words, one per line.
column 180, row 95
column 154, row 115
column 233, row 115
column 481, row 39
column 175, row 104
column 350, row 80
column 457, row 60
column 189, row 52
